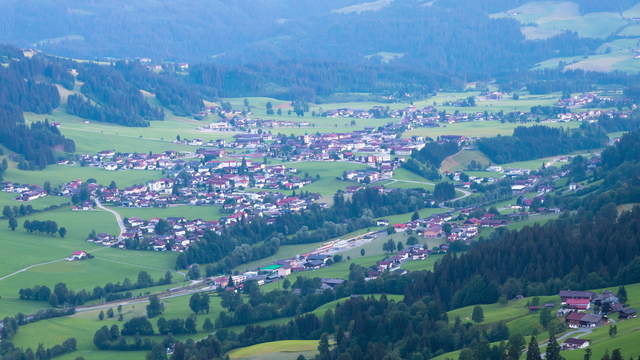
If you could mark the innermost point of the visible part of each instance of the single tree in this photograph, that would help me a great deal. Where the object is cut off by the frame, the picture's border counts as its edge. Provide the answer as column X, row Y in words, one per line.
column 101, row 315
column 62, row 232
column 533, row 351
column 477, row 315
column 622, row 295
column 155, row 307
column 13, row 223
column 553, row 349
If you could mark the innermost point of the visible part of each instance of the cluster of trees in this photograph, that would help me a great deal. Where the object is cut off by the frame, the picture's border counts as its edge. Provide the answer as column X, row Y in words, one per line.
column 199, row 303
column 541, row 141
column 62, row 296
column 444, row 191
column 252, row 240
column 177, row 326
column 113, row 339
column 17, row 211
column 9, row 352
column 48, row 227
column 426, row 161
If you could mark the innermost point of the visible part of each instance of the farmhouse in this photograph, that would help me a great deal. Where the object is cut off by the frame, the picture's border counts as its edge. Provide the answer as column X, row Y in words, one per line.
column 574, row 344
column 77, row 255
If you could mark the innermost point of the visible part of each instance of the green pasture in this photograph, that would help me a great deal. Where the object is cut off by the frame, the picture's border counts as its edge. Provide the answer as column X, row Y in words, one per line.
column 60, row 174
column 83, row 325
column 43, row 256
column 462, row 159
column 328, row 184
column 286, row 349
column 9, row 199
column 94, row 136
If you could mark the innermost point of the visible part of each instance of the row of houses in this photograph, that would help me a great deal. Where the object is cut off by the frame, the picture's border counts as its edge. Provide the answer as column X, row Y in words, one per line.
column 24, row 192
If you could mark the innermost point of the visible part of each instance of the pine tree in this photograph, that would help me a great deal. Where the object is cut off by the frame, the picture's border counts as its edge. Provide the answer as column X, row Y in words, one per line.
column 553, row 349
column 155, row 307
column 533, row 351
column 477, row 315
column 622, row 295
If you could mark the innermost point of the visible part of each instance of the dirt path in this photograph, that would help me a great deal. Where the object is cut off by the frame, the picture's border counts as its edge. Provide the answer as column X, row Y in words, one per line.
column 29, row 268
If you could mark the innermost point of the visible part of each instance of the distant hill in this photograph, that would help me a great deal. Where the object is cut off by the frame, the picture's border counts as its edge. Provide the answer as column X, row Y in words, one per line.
column 449, row 36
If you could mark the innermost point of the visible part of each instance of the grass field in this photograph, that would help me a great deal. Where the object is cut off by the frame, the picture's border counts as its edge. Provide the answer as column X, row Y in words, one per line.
column 186, row 211
column 286, row 349
column 59, row 174
column 95, row 136
column 83, row 325
column 10, row 200
column 327, row 185
column 21, row 249
column 462, row 159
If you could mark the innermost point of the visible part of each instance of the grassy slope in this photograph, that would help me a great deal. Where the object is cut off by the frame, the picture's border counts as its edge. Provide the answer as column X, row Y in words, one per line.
column 282, row 349
column 520, row 321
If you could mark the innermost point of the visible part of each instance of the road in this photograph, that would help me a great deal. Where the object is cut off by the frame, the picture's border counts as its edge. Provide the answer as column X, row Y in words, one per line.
column 119, row 220
column 185, row 291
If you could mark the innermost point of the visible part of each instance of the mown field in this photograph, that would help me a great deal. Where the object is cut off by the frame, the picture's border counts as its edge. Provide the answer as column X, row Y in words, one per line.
column 60, row 174
column 9, row 199
column 95, row 136
column 286, row 349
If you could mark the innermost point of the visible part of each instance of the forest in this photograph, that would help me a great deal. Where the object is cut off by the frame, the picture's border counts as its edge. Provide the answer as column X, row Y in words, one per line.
column 536, row 142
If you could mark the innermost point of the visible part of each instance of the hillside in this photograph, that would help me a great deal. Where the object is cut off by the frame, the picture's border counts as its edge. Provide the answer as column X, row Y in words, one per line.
column 411, row 33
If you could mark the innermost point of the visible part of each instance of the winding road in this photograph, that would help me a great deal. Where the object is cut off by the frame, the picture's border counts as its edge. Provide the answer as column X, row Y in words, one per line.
column 465, row 193
column 119, row 220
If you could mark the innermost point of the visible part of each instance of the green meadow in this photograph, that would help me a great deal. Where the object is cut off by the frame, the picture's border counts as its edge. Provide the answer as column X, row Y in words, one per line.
column 42, row 257
column 9, row 199
column 60, row 174
column 83, row 325
column 285, row 350
column 91, row 137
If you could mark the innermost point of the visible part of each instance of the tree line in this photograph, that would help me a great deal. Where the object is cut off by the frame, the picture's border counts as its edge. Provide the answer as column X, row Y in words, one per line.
column 48, row 227
column 61, row 295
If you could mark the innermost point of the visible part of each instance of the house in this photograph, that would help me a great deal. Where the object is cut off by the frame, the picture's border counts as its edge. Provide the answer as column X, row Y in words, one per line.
column 574, row 344
column 568, row 294
column 627, row 313
column 578, row 304
column 77, row 255
column 581, row 320
column 382, row 222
